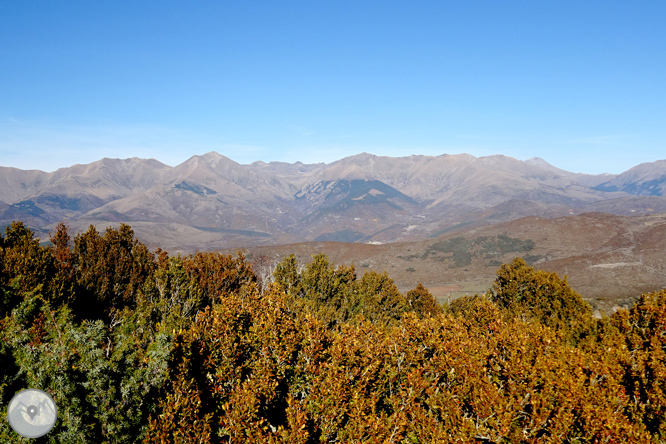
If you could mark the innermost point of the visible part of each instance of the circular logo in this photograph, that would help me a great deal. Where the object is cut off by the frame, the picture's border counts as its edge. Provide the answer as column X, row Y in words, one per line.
column 32, row 413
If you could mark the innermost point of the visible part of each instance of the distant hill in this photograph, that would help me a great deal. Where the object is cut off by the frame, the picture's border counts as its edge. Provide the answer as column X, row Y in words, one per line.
column 609, row 259
column 211, row 202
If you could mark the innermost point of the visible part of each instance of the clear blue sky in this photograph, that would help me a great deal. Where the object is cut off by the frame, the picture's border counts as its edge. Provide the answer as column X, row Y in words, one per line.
column 581, row 84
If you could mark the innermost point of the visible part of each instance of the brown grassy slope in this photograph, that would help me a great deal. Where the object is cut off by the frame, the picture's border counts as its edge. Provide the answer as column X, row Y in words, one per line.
column 609, row 259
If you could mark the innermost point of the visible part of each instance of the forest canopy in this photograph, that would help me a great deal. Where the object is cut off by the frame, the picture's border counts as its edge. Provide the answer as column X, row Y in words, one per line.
column 141, row 346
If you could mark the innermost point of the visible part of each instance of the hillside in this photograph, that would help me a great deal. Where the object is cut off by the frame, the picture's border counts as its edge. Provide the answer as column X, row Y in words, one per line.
column 608, row 259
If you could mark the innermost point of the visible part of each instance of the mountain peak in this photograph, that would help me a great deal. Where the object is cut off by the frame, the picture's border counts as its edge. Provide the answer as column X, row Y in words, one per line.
column 212, row 155
column 538, row 161
column 358, row 158
column 211, row 159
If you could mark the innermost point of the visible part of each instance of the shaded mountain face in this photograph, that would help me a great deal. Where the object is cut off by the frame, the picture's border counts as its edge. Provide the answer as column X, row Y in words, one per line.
column 210, row 201
column 340, row 195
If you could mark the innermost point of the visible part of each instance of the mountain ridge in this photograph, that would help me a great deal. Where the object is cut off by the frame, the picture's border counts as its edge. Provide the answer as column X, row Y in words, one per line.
column 400, row 198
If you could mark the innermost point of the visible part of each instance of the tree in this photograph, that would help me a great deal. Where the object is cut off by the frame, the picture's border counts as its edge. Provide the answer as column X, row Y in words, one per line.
column 263, row 267
column 326, row 285
column 217, row 275
column 63, row 287
column 422, row 301
column 110, row 270
column 23, row 261
column 524, row 292
column 170, row 298
column 318, row 280
column 288, row 277
column 378, row 299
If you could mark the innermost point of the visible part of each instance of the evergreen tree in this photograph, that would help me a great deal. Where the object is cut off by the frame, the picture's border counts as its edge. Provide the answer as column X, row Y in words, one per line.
column 63, row 287
column 378, row 299
column 422, row 301
column 527, row 293
column 24, row 262
column 287, row 276
column 110, row 271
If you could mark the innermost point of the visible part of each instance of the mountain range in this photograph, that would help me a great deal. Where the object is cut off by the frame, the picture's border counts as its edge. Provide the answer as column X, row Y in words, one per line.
column 212, row 202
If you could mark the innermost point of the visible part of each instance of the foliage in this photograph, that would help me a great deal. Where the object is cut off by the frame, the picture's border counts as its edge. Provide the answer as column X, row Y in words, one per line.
column 522, row 291
column 250, row 370
column 218, row 275
column 139, row 346
column 335, row 295
column 643, row 329
column 91, row 322
column 464, row 250
column 102, row 381
column 422, row 301
column 378, row 299
column 64, row 285
column 288, row 276
column 24, row 263
column 110, row 270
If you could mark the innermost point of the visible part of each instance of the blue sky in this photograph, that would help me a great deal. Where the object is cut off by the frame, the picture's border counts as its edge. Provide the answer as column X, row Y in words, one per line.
column 581, row 84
